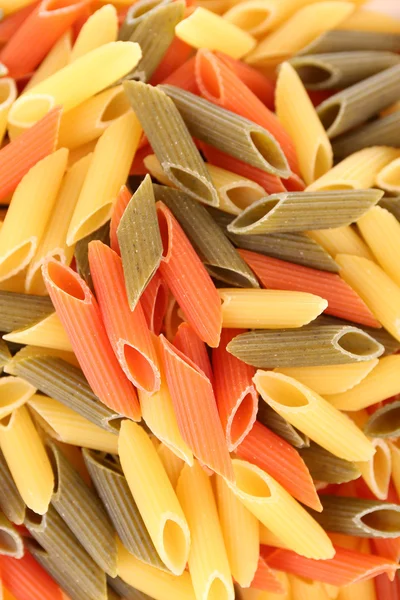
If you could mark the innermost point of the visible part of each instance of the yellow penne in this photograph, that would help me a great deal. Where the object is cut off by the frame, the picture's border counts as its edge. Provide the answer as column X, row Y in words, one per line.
column 389, row 178
column 156, row 583
column 306, row 589
column 204, row 29
column 71, row 86
column 254, row 594
column 279, row 512
column 362, row 589
column 299, row 117
column 154, row 496
column 216, row 6
column 16, row 283
column 381, row 231
column 331, row 590
column 65, row 425
column 105, row 176
column 307, row 411
column 58, row 58
column 383, row 382
column 81, row 152
column 100, row 28
column 27, row 460
column 208, row 561
column 369, row 20
column 330, row 379
column 341, row 240
column 14, row 392
column 357, row 171
column 47, row 333
column 34, row 198
column 241, row 532
column 395, row 454
column 378, row 290
column 8, row 94
column 270, row 539
column 90, row 119
column 268, row 309
column 173, row 465
column 53, row 242
column 299, row 30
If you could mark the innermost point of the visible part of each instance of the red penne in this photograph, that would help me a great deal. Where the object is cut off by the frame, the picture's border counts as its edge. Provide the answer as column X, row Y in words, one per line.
column 279, row 459
column 80, row 315
column 387, row 548
column 265, row 579
column 385, row 589
column 188, row 342
column 13, row 22
column 236, row 396
column 24, row 152
column 258, row 83
column 343, row 301
column 154, row 302
column 220, row 85
column 347, row 566
column 38, row 33
column 173, row 318
column 120, row 205
column 176, row 55
column 184, row 77
column 271, row 183
column 188, row 279
column 81, row 20
column 294, row 183
column 127, row 330
column 196, row 410
column 27, row 580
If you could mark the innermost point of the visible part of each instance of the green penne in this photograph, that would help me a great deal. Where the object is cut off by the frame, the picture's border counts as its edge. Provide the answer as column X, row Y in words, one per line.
column 114, row 492
column 11, row 502
column 391, row 204
column 312, row 345
column 5, row 354
column 81, row 251
column 342, row 40
column 137, row 13
column 171, row 141
column 139, row 241
column 338, row 70
column 304, row 211
column 83, row 512
column 381, row 132
column 359, row 517
column 11, row 543
column 293, row 247
column 357, row 103
column 19, row 310
column 213, row 247
column 268, row 417
column 385, row 422
column 63, row 382
column 229, row 132
column 324, row 466
column 154, row 34
column 126, row 591
column 62, row 556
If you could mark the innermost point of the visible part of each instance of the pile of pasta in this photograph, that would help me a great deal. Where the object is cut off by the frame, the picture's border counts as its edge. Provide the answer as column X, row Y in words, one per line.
column 199, row 300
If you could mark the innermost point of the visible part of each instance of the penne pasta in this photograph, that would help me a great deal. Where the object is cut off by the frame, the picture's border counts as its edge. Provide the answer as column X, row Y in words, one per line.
column 325, row 466
column 27, row 460
column 347, row 40
column 124, row 195
column 136, row 14
column 25, row 578
column 154, row 496
column 383, row 131
column 176, row 55
column 268, row 309
column 305, row 589
column 369, row 20
column 392, row 205
column 389, row 178
column 80, row 315
column 341, row 240
column 154, row 302
column 99, row 29
column 273, row 421
column 173, row 465
column 189, row 344
column 235, row 192
column 376, row 471
column 8, row 94
column 19, row 240
column 314, row 416
column 383, row 422
column 58, row 58
column 81, row 253
column 14, row 392
column 11, row 502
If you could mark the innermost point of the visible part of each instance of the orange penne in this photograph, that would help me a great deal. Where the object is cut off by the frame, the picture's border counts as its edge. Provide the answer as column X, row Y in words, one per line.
column 388, row 548
column 184, row 77
column 38, row 33
column 13, row 22
column 347, row 566
column 188, row 279
column 220, row 85
column 195, row 409
column 188, row 342
column 154, row 302
column 258, row 83
column 385, row 589
column 23, row 153
column 127, row 330
column 172, row 319
column 178, row 53
column 279, row 459
column 343, row 301
column 80, row 315
column 120, row 205
column 265, row 578
column 27, row 580
column 236, row 395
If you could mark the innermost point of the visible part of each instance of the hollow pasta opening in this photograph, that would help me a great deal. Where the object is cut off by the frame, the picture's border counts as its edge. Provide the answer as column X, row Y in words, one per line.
column 381, row 467
column 242, row 418
column 269, row 150
column 329, row 115
column 256, row 212
column 217, row 590
column 382, row 519
column 175, row 544
column 190, row 183
column 66, row 280
column 11, row 391
column 17, row 260
column 357, row 343
column 30, row 109
column 283, row 392
column 386, row 423
column 251, row 19
column 250, row 482
column 91, row 223
column 242, row 195
column 159, row 308
column 322, row 163
column 118, row 106
column 313, row 74
column 140, row 368
column 8, row 543
column 209, row 77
